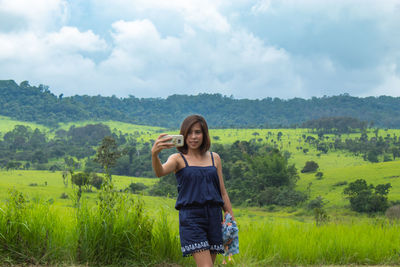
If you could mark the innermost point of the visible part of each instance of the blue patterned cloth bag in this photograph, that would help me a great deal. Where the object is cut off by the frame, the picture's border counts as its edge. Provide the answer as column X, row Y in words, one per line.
column 230, row 236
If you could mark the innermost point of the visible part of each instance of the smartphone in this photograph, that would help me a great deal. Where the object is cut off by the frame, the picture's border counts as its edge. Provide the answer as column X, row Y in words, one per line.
column 177, row 140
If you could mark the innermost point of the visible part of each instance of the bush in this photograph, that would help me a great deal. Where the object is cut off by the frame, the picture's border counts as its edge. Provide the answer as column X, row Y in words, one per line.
column 55, row 167
column 165, row 187
column 320, row 216
column 64, row 196
column 136, row 187
column 280, row 196
column 318, row 202
column 319, row 175
column 341, row 183
column 367, row 198
column 310, row 166
column 96, row 180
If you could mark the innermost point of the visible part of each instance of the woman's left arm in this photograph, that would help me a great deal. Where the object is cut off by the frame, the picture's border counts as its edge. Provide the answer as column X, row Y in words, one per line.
column 227, row 202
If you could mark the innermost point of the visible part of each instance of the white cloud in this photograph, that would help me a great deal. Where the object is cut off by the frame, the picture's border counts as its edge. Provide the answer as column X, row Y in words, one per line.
column 261, row 6
column 391, row 81
column 202, row 14
column 158, row 48
column 38, row 15
column 70, row 39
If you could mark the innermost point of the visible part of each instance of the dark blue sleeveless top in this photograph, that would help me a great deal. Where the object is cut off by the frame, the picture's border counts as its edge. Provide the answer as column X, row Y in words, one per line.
column 198, row 186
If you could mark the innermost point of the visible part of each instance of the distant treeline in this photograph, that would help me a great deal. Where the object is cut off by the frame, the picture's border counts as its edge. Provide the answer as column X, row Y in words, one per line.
column 336, row 125
column 38, row 104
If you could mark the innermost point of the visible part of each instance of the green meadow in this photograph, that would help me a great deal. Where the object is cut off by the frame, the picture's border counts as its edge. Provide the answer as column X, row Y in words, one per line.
column 278, row 237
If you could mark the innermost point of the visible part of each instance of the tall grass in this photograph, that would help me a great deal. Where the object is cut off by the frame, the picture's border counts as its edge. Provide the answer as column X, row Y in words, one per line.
column 114, row 231
column 31, row 232
column 295, row 243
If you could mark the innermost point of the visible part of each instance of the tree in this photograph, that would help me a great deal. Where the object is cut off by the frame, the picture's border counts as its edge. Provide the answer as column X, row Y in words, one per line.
column 310, row 166
column 136, row 187
column 367, row 198
column 96, row 180
column 107, row 154
column 80, row 179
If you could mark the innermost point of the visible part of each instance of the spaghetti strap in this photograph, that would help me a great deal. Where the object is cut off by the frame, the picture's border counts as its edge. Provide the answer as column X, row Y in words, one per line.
column 186, row 163
column 212, row 158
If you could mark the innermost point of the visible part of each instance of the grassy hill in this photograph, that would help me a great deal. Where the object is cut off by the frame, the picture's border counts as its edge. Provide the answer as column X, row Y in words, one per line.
column 337, row 166
column 286, row 236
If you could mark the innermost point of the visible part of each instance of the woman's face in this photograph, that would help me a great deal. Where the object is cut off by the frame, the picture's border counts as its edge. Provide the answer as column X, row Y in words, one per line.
column 194, row 138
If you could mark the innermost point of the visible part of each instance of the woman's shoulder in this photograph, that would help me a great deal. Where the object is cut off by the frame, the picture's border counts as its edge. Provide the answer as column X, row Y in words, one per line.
column 175, row 156
column 215, row 155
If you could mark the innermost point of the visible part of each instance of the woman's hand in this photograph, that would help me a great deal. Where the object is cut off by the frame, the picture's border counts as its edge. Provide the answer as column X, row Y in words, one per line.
column 231, row 213
column 160, row 144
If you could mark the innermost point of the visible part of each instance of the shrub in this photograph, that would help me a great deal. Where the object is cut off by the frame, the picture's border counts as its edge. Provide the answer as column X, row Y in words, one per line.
column 96, row 180
column 310, row 166
column 367, row 198
column 319, row 175
column 136, row 187
column 64, row 196
column 341, row 183
column 320, row 216
column 55, row 167
column 318, row 202
column 165, row 187
column 281, row 196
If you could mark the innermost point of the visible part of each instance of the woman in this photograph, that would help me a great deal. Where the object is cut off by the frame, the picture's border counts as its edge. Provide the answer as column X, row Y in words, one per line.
column 201, row 190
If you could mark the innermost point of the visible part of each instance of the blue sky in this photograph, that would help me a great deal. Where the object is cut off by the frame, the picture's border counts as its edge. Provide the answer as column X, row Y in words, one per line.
column 247, row 49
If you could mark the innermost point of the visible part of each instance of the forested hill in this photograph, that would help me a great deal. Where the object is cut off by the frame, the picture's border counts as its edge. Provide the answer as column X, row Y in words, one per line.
column 38, row 104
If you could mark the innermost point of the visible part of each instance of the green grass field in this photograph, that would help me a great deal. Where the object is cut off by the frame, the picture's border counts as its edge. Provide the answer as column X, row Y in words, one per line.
column 287, row 236
column 7, row 124
column 337, row 166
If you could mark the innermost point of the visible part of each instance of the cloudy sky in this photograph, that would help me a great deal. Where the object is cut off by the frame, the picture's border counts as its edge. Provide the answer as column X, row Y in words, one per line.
column 248, row 49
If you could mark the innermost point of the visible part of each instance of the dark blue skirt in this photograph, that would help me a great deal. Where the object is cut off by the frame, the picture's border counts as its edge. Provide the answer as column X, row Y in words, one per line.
column 200, row 229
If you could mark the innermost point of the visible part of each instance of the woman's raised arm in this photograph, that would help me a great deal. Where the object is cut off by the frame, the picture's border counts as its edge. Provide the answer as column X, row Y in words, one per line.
column 170, row 165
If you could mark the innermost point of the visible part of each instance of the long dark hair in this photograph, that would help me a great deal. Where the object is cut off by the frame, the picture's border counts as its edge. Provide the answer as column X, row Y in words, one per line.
column 185, row 127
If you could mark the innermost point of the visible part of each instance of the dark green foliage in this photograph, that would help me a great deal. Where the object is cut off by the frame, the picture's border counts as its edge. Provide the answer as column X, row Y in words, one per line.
column 96, row 180
column 107, row 153
column 335, row 125
column 256, row 174
column 341, row 183
column 280, row 196
column 32, row 148
column 372, row 156
column 310, row 166
column 31, row 103
column 372, row 149
column 319, row 175
column 367, row 198
column 64, row 196
column 320, row 216
column 136, row 187
column 317, row 203
column 165, row 187
column 80, row 179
